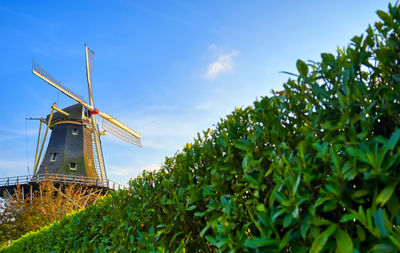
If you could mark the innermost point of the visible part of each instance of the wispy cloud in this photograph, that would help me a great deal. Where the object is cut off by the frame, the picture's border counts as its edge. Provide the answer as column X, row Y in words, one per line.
column 204, row 106
column 151, row 167
column 10, row 168
column 11, row 134
column 18, row 14
column 161, row 107
column 178, row 19
column 222, row 63
column 125, row 172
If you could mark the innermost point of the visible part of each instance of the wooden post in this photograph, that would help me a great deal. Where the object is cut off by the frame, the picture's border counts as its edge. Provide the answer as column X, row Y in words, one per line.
column 37, row 147
column 44, row 139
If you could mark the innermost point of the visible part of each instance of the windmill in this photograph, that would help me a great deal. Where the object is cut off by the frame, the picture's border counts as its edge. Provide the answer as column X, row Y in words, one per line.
column 75, row 146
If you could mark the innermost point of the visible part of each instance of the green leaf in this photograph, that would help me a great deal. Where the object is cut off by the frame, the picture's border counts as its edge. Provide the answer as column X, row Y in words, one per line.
column 347, row 217
column 360, row 233
column 357, row 40
column 192, row 207
column 394, row 139
column 395, row 241
column 296, row 185
column 285, row 240
column 357, row 153
column 305, row 226
column 383, row 248
column 243, row 144
column 258, row 242
column 385, row 16
column 328, row 58
column 393, row 205
column 396, row 77
column 251, row 180
column 288, row 73
column 360, row 193
column 386, row 193
column 379, row 221
column 335, row 158
column 204, row 230
column 199, row 214
column 287, row 220
column 322, row 238
column 344, row 243
column 261, row 208
column 302, row 67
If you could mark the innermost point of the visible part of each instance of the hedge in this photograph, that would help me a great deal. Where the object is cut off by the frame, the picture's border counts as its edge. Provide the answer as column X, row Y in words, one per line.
column 314, row 167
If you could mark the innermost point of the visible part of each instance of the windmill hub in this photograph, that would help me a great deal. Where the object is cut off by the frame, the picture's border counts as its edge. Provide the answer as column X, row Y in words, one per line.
column 95, row 111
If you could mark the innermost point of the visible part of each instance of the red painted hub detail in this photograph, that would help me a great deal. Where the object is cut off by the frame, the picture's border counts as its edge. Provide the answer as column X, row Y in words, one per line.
column 95, row 111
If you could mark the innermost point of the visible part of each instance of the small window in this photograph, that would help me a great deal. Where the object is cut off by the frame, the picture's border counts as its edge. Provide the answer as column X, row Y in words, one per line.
column 75, row 131
column 53, row 157
column 72, row 166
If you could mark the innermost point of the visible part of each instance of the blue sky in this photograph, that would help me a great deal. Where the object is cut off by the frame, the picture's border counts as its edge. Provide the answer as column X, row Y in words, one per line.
column 168, row 69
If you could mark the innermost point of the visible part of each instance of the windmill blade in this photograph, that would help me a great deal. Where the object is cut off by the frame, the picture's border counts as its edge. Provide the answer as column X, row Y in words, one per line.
column 40, row 72
column 119, row 130
column 89, row 63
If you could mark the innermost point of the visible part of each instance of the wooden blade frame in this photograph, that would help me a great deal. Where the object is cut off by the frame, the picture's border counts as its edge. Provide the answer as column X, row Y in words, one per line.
column 116, row 128
column 89, row 60
column 40, row 72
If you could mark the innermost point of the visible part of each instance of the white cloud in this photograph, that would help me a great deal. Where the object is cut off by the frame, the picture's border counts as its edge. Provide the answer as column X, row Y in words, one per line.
column 161, row 107
column 127, row 172
column 124, row 171
column 164, row 132
column 222, row 64
column 11, row 168
column 203, row 106
column 212, row 47
column 151, row 167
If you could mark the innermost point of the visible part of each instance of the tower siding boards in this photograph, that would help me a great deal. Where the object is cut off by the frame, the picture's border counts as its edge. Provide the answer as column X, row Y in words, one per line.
column 69, row 141
column 56, row 146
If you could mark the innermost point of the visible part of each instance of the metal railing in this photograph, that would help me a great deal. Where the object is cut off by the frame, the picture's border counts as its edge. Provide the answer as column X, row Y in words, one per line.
column 89, row 181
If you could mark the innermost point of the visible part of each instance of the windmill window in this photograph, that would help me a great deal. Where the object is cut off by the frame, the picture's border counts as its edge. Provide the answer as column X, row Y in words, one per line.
column 75, row 131
column 73, row 166
column 53, row 157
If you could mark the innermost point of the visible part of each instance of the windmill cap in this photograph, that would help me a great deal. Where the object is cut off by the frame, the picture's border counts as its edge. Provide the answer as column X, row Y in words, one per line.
column 75, row 113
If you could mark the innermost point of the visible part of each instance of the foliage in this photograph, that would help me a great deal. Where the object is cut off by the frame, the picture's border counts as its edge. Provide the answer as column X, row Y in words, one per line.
column 312, row 168
column 25, row 212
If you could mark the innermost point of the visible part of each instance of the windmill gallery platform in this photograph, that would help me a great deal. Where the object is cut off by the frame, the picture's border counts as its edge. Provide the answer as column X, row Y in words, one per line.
column 30, row 184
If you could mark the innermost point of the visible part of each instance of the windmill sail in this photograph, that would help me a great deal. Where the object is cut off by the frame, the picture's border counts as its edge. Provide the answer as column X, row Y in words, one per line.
column 89, row 64
column 119, row 130
column 97, row 150
column 40, row 72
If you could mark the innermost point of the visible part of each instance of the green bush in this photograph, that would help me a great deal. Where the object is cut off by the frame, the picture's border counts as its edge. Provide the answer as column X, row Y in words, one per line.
column 314, row 167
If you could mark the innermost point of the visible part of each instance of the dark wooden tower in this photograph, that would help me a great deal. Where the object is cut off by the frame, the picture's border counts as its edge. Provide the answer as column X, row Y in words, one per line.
column 70, row 148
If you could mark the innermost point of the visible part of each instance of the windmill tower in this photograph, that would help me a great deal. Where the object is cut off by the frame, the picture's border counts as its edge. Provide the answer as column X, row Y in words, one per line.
column 74, row 148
